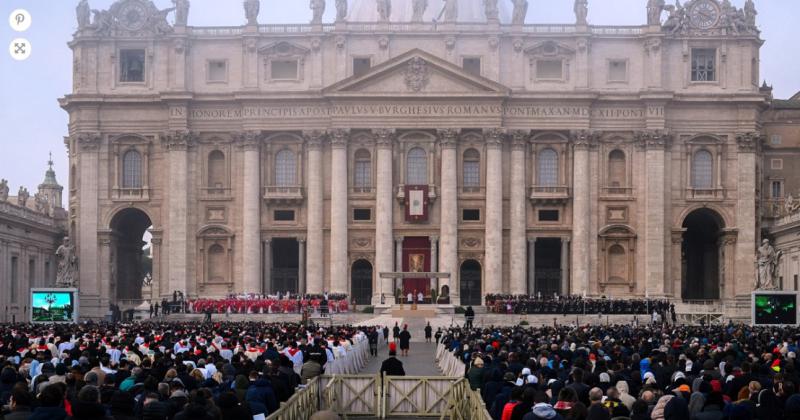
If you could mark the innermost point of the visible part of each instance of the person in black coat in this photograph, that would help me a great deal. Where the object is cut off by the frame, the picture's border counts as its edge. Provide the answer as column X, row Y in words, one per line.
column 428, row 332
column 392, row 366
column 405, row 340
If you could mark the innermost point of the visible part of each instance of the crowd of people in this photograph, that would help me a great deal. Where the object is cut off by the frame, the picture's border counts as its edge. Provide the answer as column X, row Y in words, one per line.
column 271, row 304
column 572, row 305
column 648, row 372
column 210, row 371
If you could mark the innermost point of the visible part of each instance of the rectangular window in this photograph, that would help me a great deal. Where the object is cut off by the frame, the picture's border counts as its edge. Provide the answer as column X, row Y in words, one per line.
column 361, row 65
column 618, row 71
column 472, row 65
column 471, row 215
column 548, row 215
column 472, row 174
column 131, row 66
column 362, row 215
column 283, row 69
column 777, row 189
column 776, row 139
column 549, row 69
column 776, row 164
column 217, row 71
column 704, row 66
column 283, row 215
column 14, row 279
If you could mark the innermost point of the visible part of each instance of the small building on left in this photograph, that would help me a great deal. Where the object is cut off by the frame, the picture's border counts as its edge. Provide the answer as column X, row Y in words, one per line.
column 32, row 226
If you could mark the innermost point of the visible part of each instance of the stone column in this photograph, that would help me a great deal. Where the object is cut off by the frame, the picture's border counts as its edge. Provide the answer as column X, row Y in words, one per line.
column 655, row 222
column 434, row 262
column 383, row 216
column 398, row 262
column 494, row 211
column 314, row 260
column 338, row 257
column 88, row 144
column 267, row 266
column 448, row 223
column 519, row 222
column 178, row 143
column 564, row 266
column 301, row 266
column 581, row 214
column 157, row 288
column 251, row 213
column 746, row 240
column 531, row 266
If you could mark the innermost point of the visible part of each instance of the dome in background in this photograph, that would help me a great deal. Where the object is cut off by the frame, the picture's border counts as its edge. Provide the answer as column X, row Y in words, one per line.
column 468, row 11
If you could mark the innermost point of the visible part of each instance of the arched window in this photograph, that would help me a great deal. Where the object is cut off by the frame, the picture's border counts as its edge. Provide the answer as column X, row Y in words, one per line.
column 132, row 169
column 702, row 170
column 417, row 167
column 216, row 169
column 617, row 264
column 362, row 172
column 216, row 263
column 285, row 168
column 616, row 169
column 472, row 169
column 547, row 165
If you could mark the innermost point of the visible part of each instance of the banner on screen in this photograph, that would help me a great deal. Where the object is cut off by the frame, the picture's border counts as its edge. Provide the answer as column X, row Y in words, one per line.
column 54, row 305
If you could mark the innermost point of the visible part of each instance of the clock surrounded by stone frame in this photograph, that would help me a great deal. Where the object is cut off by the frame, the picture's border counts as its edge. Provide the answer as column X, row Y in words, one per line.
column 132, row 16
column 704, row 14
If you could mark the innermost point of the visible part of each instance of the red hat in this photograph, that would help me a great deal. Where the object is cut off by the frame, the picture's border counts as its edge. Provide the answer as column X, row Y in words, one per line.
column 392, row 347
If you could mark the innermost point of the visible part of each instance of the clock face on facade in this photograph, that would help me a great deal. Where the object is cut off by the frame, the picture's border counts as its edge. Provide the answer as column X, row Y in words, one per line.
column 704, row 14
column 132, row 16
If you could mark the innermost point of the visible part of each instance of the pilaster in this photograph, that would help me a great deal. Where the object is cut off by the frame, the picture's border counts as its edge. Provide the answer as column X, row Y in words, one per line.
column 384, row 139
column 314, row 222
column 494, row 211
column 518, row 213
column 89, row 281
column 249, row 142
column 581, row 213
column 448, row 224
column 339, row 255
column 655, row 235
column 747, row 238
column 178, row 143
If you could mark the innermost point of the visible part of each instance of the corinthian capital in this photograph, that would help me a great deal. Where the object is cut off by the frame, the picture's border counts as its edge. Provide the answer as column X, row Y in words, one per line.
column 339, row 137
column 519, row 139
column 87, row 142
column 248, row 140
column 384, row 137
column 749, row 142
column 653, row 139
column 177, row 140
column 494, row 136
column 314, row 139
column 448, row 138
column 582, row 139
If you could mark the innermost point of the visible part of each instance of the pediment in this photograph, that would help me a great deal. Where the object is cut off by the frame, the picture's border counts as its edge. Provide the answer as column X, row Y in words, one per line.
column 549, row 49
column 283, row 49
column 416, row 73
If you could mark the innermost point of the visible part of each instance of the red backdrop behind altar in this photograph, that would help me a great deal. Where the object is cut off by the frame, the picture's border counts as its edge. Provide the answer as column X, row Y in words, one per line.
column 414, row 249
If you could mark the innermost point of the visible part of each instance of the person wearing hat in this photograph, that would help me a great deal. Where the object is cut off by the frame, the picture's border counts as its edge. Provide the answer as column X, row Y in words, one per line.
column 405, row 340
column 391, row 366
column 475, row 374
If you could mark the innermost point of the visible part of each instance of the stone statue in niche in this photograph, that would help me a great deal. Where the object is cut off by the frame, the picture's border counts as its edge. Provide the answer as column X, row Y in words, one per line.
column 581, row 9
column 317, row 9
column 83, row 13
column 3, row 190
column 520, row 11
column 418, row 8
column 341, row 10
column 767, row 265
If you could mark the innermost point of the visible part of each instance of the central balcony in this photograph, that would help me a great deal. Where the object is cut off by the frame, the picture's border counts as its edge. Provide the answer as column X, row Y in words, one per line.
column 550, row 194
column 284, row 195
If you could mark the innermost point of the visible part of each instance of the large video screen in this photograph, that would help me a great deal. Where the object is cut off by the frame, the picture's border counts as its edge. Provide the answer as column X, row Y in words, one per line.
column 774, row 309
column 53, row 306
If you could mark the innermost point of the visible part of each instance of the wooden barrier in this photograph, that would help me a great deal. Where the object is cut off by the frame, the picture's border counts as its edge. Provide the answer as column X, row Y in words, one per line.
column 302, row 405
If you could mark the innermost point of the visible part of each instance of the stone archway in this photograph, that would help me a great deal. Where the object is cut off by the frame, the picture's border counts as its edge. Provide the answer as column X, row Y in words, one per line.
column 129, row 258
column 470, row 283
column 361, row 282
column 700, row 255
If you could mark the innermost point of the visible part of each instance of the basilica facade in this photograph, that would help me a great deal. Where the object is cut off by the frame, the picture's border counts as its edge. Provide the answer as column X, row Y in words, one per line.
column 456, row 152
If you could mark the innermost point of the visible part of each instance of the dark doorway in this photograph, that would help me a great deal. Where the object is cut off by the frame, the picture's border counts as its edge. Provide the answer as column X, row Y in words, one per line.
column 361, row 282
column 470, row 283
column 131, row 258
column 547, row 272
column 285, row 265
column 700, row 255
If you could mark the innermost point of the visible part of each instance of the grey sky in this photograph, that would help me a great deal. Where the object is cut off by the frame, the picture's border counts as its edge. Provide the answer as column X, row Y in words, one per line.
column 33, row 124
